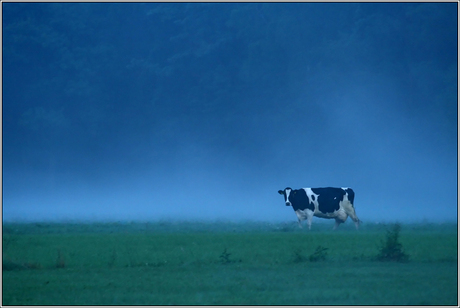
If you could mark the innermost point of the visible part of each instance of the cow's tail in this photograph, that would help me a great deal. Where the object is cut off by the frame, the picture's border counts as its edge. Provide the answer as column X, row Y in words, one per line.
column 351, row 195
column 351, row 212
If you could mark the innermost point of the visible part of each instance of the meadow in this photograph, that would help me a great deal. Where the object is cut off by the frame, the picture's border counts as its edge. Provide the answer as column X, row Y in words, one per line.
column 225, row 263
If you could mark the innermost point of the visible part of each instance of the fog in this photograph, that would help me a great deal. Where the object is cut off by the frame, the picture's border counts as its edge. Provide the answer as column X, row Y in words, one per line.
column 152, row 111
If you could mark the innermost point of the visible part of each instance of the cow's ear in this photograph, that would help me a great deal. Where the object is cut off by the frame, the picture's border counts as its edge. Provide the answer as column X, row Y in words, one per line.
column 281, row 192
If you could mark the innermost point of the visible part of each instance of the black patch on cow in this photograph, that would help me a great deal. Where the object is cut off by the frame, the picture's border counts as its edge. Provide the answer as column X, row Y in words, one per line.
column 313, row 197
column 329, row 198
column 299, row 200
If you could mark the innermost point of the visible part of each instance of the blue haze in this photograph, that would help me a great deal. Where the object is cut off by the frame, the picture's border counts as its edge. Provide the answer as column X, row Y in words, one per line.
column 147, row 111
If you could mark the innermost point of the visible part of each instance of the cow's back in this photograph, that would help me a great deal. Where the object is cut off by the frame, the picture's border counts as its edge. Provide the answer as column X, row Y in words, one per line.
column 329, row 198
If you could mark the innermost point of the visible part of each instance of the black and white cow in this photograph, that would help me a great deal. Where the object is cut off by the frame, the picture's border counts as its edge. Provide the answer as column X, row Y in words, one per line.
column 328, row 202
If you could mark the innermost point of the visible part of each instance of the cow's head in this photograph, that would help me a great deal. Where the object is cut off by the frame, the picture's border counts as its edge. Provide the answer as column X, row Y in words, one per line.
column 286, row 193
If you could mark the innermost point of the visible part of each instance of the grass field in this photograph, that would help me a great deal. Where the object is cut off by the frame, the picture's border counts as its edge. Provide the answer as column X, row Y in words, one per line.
column 195, row 263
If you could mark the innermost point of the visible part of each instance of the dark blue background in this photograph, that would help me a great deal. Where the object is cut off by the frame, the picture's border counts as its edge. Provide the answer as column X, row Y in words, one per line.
column 205, row 110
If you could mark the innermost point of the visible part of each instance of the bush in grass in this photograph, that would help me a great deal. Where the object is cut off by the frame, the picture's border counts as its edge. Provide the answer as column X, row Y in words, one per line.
column 33, row 265
column 113, row 258
column 298, row 256
column 225, row 258
column 391, row 249
column 146, row 264
column 60, row 261
column 320, row 254
column 9, row 265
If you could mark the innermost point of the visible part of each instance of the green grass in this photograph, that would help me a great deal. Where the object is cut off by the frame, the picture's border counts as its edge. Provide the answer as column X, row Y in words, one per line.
column 193, row 263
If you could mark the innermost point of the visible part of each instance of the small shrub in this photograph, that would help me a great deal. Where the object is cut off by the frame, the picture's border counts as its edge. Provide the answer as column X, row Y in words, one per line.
column 146, row 264
column 113, row 258
column 9, row 265
column 391, row 249
column 60, row 261
column 32, row 265
column 225, row 258
column 298, row 256
column 320, row 254
column 362, row 257
column 7, row 241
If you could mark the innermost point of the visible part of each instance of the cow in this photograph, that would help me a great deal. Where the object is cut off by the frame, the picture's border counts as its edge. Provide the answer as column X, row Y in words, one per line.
column 325, row 202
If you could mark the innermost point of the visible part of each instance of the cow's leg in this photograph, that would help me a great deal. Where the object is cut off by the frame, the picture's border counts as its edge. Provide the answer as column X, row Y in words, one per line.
column 357, row 221
column 341, row 217
column 300, row 223
column 300, row 217
column 337, row 223
column 309, row 219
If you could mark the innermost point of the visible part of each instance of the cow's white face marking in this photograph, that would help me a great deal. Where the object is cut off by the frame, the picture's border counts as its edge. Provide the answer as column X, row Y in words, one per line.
column 288, row 192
